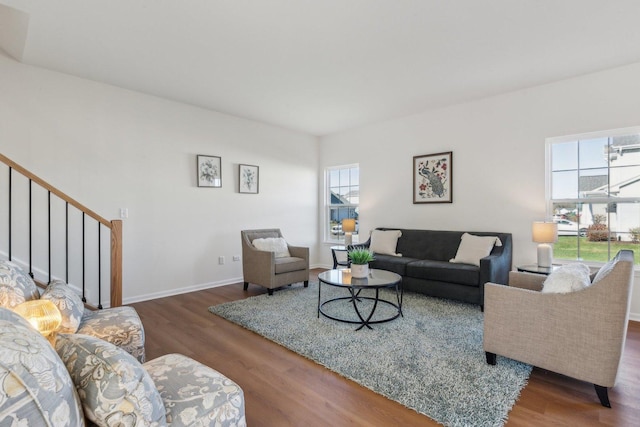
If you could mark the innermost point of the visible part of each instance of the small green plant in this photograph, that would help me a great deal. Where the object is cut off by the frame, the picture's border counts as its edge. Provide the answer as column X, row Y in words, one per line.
column 360, row 256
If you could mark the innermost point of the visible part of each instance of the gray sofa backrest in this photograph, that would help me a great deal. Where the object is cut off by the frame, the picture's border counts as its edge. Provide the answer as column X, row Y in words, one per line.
column 439, row 245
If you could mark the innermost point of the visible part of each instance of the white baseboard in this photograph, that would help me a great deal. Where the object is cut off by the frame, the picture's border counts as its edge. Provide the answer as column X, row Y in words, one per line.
column 179, row 291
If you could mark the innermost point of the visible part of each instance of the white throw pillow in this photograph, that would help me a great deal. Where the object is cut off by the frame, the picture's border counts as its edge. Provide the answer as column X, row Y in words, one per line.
column 473, row 248
column 384, row 242
column 568, row 278
column 273, row 244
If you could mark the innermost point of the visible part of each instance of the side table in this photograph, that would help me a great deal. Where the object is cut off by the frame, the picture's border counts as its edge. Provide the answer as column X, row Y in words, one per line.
column 534, row 268
column 336, row 262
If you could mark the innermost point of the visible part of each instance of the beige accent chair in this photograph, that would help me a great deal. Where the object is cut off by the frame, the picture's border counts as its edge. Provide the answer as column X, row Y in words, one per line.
column 264, row 269
column 579, row 334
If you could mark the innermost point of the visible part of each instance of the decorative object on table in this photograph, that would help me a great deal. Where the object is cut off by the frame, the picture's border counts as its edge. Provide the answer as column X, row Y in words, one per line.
column 545, row 234
column 42, row 314
column 209, row 170
column 360, row 259
column 431, row 361
column 348, row 226
column 432, row 178
column 248, row 175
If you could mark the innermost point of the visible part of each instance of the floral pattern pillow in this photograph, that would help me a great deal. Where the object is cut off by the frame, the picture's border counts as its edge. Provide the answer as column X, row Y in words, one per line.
column 16, row 286
column 113, row 386
column 35, row 387
column 69, row 304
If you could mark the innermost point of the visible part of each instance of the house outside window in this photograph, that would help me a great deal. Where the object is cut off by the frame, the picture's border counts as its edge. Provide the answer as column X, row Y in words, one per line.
column 342, row 199
column 594, row 194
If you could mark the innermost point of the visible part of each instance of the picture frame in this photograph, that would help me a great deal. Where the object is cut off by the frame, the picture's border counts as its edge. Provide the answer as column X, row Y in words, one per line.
column 249, row 179
column 433, row 178
column 209, row 171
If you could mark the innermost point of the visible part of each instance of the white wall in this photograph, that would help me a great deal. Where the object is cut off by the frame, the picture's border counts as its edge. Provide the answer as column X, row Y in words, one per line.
column 498, row 149
column 110, row 148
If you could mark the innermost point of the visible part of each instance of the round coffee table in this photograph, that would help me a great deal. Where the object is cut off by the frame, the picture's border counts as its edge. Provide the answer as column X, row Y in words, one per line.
column 377, row 279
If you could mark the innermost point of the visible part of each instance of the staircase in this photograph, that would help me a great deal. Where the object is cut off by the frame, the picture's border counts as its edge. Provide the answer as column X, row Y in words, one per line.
column 52, row 236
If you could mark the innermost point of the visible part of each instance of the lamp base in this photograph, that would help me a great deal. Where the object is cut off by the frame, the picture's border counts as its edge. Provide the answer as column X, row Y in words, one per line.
column 545, row 255
column 348, row 239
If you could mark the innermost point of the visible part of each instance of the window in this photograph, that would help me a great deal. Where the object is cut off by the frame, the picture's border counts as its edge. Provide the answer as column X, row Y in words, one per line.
column 594, row 194
column 342, row 198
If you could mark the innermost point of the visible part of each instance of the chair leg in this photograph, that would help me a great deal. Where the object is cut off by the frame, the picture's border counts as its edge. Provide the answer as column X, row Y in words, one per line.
column 603, row 395
column 491, row 358
column 482, row 308
column 246, row 286
column 306, row 283
column 270, row 291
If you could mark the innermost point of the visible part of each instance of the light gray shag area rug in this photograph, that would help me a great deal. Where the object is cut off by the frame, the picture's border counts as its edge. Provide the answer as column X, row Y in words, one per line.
column 431, row 360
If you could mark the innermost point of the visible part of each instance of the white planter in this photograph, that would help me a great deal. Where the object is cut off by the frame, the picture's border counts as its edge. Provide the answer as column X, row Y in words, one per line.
column 359, row 270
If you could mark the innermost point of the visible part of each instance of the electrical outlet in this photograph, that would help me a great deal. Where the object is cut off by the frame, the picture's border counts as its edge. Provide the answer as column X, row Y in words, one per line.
column 220, row 260
column 236, row 257
column 124, row 213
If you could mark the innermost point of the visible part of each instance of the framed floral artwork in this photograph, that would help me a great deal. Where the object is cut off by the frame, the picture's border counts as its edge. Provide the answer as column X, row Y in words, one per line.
column 209, row 171
column 432, row 178
column 249, row 179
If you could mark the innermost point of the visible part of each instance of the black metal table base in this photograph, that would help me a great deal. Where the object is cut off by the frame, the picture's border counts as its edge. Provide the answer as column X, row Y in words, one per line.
column 355, row 298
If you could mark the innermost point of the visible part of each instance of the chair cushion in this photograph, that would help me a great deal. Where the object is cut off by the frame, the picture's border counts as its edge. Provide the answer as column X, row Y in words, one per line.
column 120, row 326
column 473, row 248
column 568, row 278
column 35, row 387
column 385, row 242
column 69, row 304
column 16, row 286
column 286, row 265
column 605, row 270
column 273, row 244
column 113, row 386
column 194, row 394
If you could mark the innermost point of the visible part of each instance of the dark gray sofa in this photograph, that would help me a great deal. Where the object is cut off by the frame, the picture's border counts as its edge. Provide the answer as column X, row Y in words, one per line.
column 425, row 267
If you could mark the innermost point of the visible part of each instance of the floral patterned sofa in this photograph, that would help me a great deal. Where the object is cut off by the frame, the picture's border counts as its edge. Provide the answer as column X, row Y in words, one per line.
column 94, row 375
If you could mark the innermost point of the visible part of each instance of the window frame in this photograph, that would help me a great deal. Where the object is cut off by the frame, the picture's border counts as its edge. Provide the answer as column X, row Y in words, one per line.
column 607, row 200
column 326, row 223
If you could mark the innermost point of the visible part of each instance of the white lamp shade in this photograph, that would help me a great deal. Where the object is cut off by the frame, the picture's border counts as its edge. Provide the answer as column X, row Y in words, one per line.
column 544, row 232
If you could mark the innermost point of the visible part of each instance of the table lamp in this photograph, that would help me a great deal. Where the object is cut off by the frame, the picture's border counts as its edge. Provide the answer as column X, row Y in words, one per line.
column 42, row 314
column 348, row 226
column 545, row 234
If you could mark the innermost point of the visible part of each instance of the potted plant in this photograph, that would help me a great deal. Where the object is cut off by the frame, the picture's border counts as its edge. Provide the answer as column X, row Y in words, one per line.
column 360, row 259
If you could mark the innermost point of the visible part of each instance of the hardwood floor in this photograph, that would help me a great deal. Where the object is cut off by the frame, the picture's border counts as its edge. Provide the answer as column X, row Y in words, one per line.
column 284, row 389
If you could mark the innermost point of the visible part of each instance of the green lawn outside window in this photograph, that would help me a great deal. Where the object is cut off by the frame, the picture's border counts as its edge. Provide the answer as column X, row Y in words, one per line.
column 566, row 249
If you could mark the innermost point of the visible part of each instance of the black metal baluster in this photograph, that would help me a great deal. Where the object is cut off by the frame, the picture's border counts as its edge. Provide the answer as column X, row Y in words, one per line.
column 66, row 243
column 49, row 232
column 84, row 298
column 99, row 270
column 30, row 233
column 10, row 187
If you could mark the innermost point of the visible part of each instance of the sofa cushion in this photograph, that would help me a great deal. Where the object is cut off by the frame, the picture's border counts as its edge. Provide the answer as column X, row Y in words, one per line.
column 16, row 286
column 120, row 326
column 392, row 263
column 35, row 387
column 273, row 244
column 194, row 394
column 286, row 265
column 473, row 248
column 443, row 271
column 384, row 242
column 69, row 304
column 113, row 386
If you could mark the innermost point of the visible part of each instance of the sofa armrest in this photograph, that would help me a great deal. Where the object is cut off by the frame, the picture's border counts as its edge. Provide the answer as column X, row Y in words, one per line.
column 299, row 252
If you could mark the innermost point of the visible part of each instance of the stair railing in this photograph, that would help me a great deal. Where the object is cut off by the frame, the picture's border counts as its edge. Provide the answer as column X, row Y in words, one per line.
column 92, row 275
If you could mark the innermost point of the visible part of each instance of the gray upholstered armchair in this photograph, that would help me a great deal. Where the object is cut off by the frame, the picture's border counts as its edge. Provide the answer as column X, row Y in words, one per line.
column 579, row 334
column 276, row 264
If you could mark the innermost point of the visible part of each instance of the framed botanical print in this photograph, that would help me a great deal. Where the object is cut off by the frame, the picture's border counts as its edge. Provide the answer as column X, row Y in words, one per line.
column 209, row 171
column 249, row 179
column 432, row 178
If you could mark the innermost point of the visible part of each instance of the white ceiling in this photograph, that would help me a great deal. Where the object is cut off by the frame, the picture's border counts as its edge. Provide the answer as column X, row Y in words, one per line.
column 322, row 66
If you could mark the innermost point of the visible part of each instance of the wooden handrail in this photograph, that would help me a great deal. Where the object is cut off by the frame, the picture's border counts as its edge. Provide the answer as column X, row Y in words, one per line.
column 54, row 190
column 115, row 226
